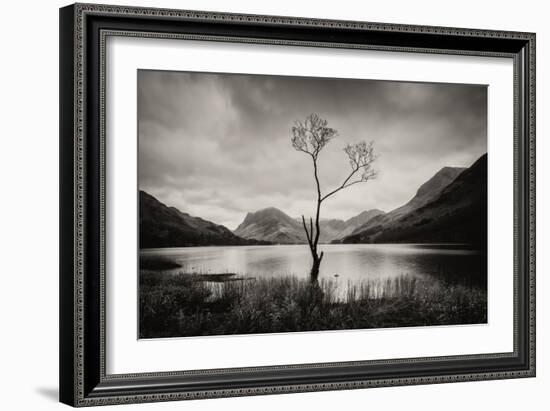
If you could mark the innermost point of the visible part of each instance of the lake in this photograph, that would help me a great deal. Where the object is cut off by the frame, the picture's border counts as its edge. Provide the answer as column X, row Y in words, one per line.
column 344, row 263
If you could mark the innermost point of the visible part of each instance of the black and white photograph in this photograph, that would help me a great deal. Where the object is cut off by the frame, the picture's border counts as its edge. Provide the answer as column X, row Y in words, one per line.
column 275, row 204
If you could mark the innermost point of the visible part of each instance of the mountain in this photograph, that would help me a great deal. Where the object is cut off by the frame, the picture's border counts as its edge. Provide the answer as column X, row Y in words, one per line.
column 427, row 192
column 271, row 224
column 458, row 214
column 163, row 226
column 363, row 218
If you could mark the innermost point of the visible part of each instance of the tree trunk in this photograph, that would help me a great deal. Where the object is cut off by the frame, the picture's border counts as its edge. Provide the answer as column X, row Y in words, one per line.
column 314, row 274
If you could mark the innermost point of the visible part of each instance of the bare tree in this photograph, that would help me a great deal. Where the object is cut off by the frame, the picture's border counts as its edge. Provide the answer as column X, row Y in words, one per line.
column 310, row 137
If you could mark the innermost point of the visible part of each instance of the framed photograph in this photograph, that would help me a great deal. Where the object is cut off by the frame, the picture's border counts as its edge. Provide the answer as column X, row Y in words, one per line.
column 261, row 204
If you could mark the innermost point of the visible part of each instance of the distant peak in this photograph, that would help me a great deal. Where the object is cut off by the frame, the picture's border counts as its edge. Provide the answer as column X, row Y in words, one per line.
column 373, row 211
column 268, row 210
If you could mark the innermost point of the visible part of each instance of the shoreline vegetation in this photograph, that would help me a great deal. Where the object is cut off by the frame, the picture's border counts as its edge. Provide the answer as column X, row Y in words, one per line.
column 196, row 304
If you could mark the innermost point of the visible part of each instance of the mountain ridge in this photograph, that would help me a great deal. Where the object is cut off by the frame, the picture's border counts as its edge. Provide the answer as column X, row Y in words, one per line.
column 427, row 191
column 457, row 215
column 272, row 224
column 451, row 206
column 165, row 226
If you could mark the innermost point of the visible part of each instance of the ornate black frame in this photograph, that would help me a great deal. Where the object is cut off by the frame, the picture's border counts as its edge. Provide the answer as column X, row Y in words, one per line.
column 83, row 30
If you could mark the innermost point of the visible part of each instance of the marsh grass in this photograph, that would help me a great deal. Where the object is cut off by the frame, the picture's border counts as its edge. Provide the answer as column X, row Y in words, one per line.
column 196, row 304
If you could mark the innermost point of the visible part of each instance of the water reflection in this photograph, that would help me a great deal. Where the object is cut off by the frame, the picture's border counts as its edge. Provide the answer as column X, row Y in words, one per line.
column 345, row 263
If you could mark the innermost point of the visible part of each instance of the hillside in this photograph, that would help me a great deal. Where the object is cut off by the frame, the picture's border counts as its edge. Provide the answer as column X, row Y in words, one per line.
column 271, row 224
column 457, row 215
column 427, row 192
column 163, row 226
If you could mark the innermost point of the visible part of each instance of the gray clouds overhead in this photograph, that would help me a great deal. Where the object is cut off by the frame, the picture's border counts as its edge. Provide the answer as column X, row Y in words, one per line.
column 218, row 145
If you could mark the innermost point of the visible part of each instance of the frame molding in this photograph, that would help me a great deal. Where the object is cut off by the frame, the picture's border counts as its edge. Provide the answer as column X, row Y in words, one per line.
column 83, row 32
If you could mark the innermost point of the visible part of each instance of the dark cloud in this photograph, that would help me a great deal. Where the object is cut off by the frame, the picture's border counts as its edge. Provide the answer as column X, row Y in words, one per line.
column 218, row 145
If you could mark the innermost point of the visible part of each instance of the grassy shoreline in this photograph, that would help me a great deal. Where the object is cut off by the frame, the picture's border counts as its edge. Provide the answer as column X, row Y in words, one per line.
column 198, row 305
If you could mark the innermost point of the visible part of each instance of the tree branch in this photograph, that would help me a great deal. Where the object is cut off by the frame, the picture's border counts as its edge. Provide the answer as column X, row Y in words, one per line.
column 343, row 185
column 361, row 156
column 312, row 135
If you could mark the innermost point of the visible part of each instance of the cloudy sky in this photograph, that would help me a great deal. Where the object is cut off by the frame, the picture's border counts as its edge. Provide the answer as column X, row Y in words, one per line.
column 218, row 145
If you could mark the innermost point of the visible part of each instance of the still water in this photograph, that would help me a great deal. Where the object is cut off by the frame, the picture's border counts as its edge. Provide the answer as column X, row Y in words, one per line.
column 346, row 263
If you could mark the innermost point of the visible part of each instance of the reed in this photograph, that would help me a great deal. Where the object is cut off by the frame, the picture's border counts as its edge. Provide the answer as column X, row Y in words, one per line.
column 198, row 304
